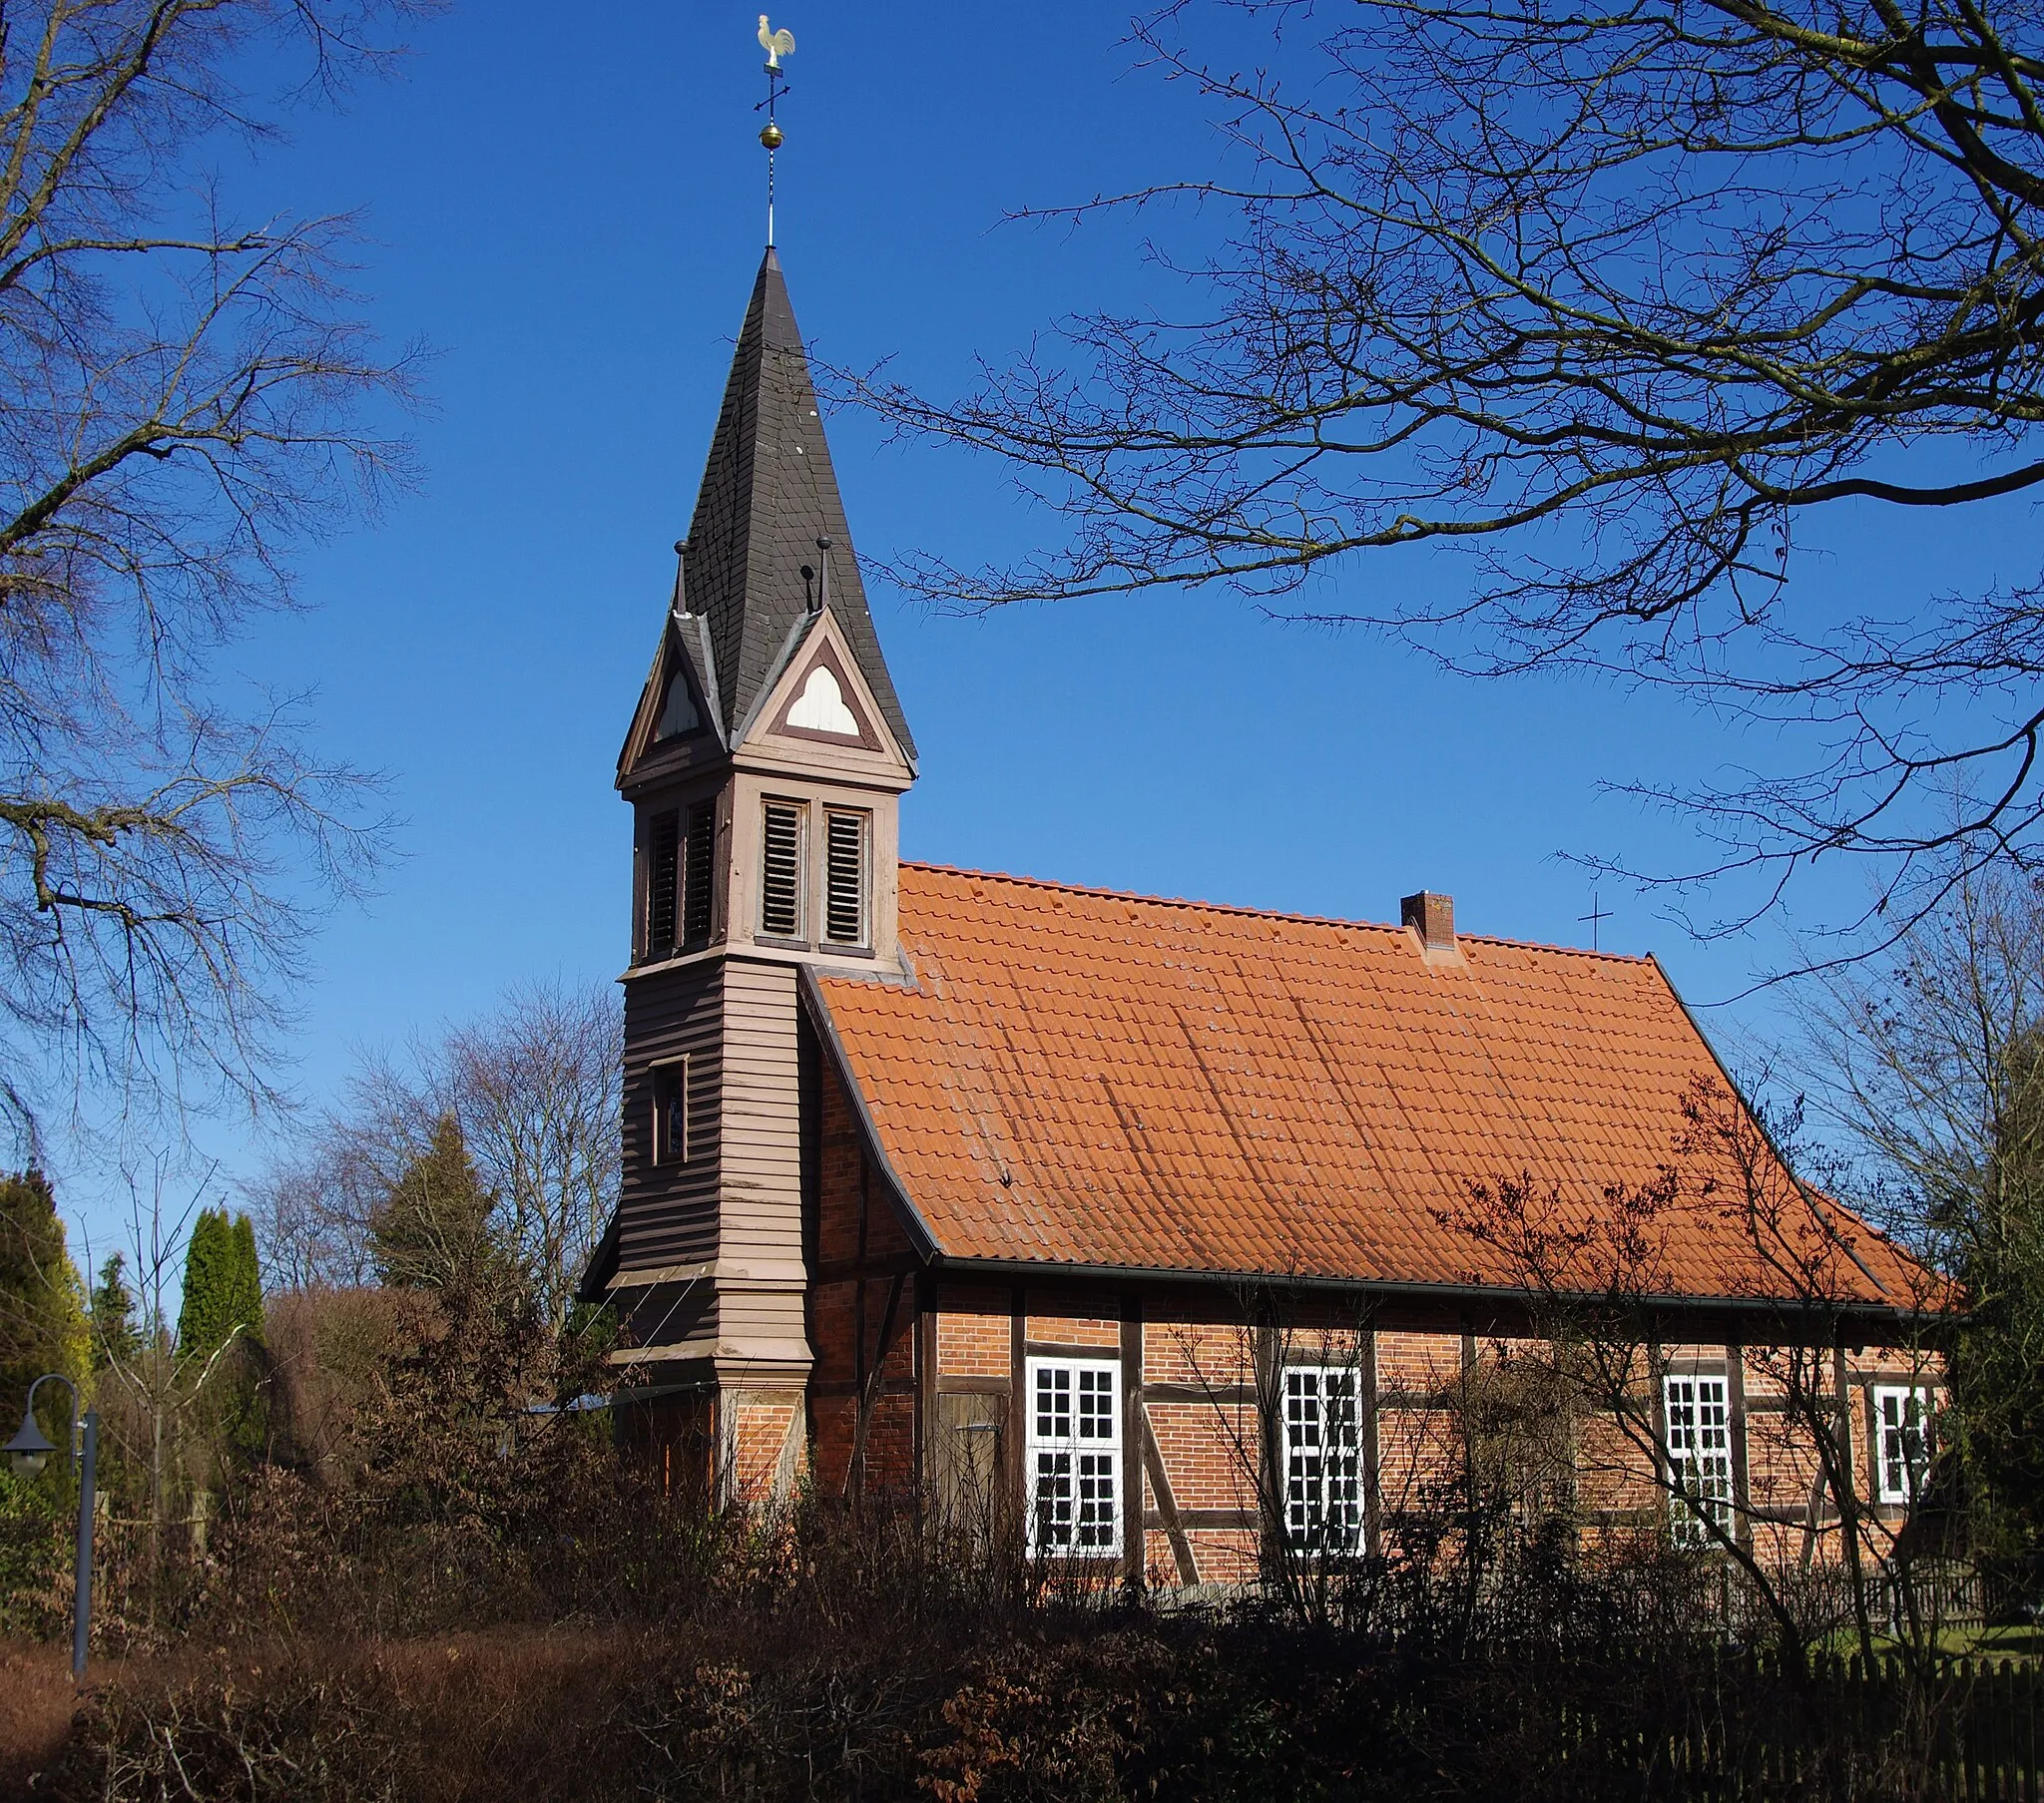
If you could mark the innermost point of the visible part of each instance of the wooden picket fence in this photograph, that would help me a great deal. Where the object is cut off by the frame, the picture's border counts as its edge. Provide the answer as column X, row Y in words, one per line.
column 1974, row 1732
column 1996, row 1750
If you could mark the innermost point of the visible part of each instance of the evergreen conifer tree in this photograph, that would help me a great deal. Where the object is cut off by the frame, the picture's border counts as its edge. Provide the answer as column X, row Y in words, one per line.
column 42, row 1302
column 223, row 1286
column 244, row 1295
column 116, row 1336
column 433, row 1230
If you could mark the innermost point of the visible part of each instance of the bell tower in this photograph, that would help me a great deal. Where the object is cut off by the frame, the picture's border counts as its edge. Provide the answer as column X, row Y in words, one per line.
column 764, row 768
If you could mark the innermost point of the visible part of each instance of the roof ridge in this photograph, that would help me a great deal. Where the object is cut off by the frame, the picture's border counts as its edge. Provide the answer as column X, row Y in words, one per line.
column 1214, row 907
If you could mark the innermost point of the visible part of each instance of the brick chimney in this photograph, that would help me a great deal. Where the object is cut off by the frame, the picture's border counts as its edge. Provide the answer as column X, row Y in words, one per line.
column 1434, row 916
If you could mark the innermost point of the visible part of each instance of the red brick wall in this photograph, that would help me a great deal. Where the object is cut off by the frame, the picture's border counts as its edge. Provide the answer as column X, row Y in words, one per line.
column 976, row 1330
column 762, row 1442
column 862, row 1258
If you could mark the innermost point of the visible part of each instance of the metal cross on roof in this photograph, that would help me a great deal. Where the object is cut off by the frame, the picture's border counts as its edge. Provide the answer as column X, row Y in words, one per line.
column 1593, row 917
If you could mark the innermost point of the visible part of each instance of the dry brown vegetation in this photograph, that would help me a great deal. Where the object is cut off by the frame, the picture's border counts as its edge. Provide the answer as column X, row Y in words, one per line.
column 839, row 1670
column 443, row 1645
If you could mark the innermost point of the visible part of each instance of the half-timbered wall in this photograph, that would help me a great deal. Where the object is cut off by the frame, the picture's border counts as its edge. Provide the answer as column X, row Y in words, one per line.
column 862, row 1311
column 1192, row 1445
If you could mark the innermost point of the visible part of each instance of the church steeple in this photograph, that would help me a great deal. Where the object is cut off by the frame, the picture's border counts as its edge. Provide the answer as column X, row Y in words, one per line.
column 769, row 494
column 764, row 770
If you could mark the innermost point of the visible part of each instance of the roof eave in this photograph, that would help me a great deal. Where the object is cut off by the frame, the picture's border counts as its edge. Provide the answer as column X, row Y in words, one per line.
column 1045, row 1270
column 818, row 1008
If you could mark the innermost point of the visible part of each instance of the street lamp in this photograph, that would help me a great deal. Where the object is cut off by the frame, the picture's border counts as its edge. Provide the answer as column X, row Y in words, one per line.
column 30, row 1451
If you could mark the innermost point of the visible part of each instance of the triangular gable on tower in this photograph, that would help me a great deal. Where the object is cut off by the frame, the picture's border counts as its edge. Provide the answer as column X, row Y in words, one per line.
column 769, row 494
column 819, row 708
column 679, row 697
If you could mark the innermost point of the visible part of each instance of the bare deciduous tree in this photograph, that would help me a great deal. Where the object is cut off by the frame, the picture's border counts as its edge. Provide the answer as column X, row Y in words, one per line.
column 537, row 1089
column 1616, row 300
column 534, row 1087
column 1930, row 1060
column 152, row 1394
column 182, row 396
column 1600, row 1277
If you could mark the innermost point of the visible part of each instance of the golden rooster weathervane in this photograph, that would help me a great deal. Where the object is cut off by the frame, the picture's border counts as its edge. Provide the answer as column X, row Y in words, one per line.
column 776, row 45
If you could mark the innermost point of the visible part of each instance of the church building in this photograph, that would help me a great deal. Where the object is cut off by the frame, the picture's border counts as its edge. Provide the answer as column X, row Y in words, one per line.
column 1128, row 1223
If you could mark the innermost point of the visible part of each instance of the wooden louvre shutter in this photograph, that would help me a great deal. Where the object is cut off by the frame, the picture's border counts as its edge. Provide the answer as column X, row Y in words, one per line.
column 700, row 854
column 845, row 880
column 661, row 846
column 780, row 872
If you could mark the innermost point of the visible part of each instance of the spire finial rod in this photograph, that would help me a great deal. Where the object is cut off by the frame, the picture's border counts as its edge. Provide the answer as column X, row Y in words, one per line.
column 776, row 45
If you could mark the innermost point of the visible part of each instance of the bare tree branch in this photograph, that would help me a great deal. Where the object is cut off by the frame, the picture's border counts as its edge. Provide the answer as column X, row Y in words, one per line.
column 1613, row 298
column 181, row 404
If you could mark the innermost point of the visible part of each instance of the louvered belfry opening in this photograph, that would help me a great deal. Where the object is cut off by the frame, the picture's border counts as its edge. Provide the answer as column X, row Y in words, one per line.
column 661, row 878
column 780, row 872
column 699, row 860
column 845, row 880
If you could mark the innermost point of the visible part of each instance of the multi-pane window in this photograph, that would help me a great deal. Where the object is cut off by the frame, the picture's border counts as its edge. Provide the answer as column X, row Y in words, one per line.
column 844, row 877
column 1902, row 1425
column 1323, row 1458
column 1075, row 1442
column 671, row 1113
column 780, row 870
column 1699, row 1458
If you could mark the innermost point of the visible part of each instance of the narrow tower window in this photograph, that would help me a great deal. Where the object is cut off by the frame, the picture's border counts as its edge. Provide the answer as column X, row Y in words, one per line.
column 780, row 872
column 702, row 848
column 671, row 1113
column 662, row 874
column 844, row 879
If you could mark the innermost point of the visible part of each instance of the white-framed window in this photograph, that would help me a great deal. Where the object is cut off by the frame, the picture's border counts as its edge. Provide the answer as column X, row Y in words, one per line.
column 1903, row 1424
column 1074, row 1450
column 1323, row 1458
column 1698, row 1457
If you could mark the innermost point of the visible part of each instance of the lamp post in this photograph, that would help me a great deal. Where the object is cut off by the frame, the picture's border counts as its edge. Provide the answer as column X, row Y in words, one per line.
column 30, row 1450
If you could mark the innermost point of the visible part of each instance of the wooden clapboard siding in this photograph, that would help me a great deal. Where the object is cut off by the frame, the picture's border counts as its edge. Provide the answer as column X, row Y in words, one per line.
column 761, row 1151
column 667, row 1215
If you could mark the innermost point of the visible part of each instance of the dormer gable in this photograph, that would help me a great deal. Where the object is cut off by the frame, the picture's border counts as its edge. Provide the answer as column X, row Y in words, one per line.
column 818, row 713
column 676, row 708
column 819, row 709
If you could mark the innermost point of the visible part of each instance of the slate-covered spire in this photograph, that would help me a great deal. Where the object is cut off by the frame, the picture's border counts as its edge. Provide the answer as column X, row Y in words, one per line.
column 769, row 494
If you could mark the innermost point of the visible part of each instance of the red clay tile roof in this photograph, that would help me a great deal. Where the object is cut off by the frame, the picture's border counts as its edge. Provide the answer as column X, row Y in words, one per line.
column 1090, row 1079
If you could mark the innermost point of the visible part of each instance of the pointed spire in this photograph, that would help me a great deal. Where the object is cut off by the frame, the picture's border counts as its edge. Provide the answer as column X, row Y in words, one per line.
column 769, row 494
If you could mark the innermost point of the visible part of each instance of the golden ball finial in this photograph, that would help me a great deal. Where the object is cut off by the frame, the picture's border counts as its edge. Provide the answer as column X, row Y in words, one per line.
column 772, row 136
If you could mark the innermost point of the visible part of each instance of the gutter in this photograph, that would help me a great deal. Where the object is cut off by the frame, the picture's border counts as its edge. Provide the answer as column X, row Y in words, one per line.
column 1040, row 1270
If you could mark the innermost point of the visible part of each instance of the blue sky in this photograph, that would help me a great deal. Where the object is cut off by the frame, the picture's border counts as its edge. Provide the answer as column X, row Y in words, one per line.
column 568, row 207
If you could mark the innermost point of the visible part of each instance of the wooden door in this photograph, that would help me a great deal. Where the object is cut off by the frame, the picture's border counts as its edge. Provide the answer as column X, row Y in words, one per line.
column 972, row 1432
